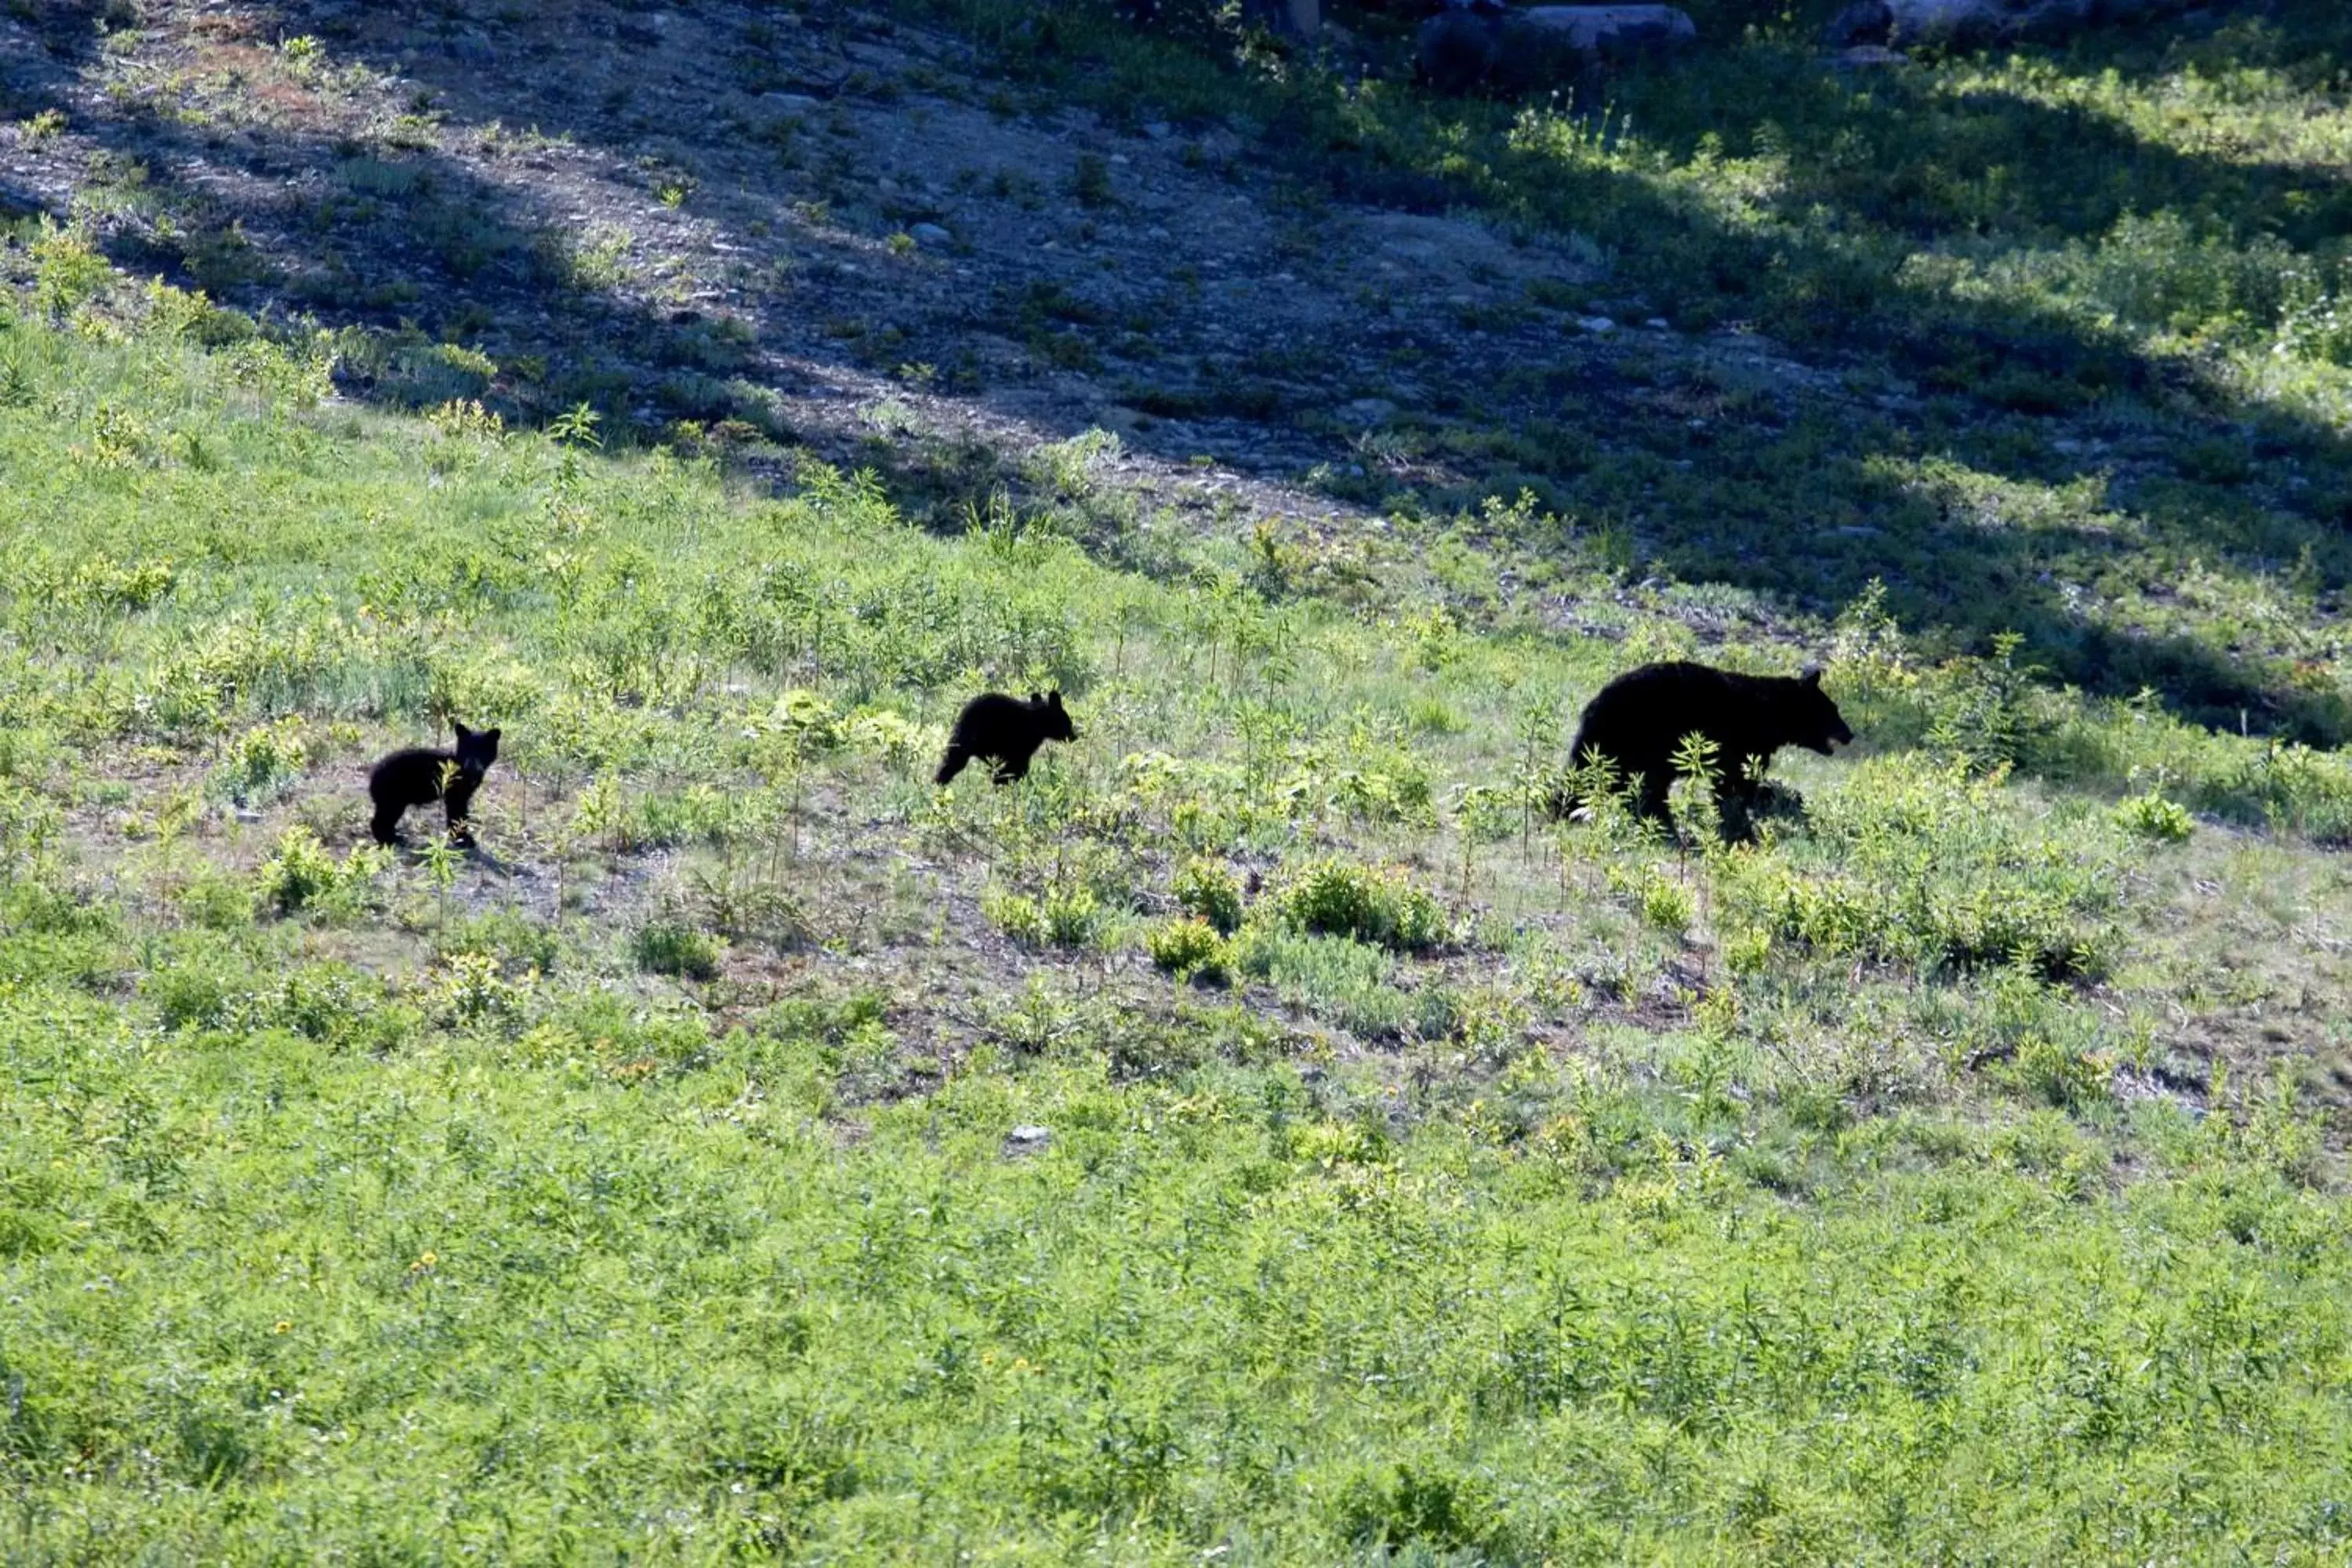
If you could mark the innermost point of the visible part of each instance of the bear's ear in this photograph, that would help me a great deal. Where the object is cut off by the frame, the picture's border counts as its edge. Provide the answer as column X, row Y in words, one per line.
column 1054, row 699
column 491, row 738
column 464, row 734
column 1037, row 697
column 1812, row 676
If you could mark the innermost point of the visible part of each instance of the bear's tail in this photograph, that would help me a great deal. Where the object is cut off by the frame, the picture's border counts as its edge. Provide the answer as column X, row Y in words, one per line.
column 952, row 764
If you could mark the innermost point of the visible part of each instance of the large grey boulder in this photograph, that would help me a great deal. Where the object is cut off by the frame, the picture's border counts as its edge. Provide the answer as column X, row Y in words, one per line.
column 1482, row 45
column 1961, row 24
column 1603, row 30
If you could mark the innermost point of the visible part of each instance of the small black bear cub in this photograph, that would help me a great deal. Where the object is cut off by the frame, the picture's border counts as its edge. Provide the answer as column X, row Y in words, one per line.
column 1006, row 729
column 1638, row 720
column 415, row 777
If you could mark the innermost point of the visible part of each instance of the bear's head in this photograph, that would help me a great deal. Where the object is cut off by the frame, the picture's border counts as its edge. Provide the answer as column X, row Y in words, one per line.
column 477, row 750
column 1053, row 717
column 1809, row 719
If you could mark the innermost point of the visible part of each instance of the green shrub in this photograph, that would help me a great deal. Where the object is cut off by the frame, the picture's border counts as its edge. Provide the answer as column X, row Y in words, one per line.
column 1068, row 916
column 1189, row 949
column 1337, row 898
column 1348, row 982
column 1667, row 905
column 304, row 873
column 1207, row 890
column 515, row 943
column 1488, row 814
column 1931, row 868
column 2059, row 1075
column 1986, row 712
column 264, row 763
column 2152, row 817
column 189, row 996
column 672, row 947
column 1427, row 1507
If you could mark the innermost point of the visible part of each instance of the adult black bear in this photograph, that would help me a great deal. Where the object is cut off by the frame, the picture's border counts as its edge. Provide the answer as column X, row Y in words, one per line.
column 417, row 777
column 1006, row 729
column 1637, row 721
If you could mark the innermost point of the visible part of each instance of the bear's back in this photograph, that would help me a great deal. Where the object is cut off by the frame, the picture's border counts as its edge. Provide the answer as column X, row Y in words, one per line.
column 1643, row 715
column 993, row 718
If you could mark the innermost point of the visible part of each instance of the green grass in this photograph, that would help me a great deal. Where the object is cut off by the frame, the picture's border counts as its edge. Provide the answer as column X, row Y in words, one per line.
column 2071, row 320
column 273, row 1296
column 1951, row 1174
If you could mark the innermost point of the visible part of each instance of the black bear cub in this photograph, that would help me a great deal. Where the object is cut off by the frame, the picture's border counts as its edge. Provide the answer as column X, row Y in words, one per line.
column 1006, row 729
column 416, row 776
column 1638, row 720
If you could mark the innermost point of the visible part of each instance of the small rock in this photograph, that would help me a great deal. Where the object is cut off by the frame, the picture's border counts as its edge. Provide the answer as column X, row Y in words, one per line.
column 1868, row 57
column 1159, row 130
column 1369, row 410
column 1596, row 323
column 931, row 234
column 790, row 102
column 1027, row 1139
column 1658, row 325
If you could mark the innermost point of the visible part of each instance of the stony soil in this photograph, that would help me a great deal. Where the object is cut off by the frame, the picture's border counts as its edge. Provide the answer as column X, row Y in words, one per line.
column 837, row 227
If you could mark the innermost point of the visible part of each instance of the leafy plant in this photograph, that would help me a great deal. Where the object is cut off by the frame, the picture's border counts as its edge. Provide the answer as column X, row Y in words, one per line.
column 672, row 947
column 2152, row 817
column 1209, row 891
column 1189, row 949
column 1342, row 899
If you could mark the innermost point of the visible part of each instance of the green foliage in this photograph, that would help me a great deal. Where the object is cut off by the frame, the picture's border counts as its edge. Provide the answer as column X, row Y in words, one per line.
column 303, row 874
column 1435, row 1509
column 1914, row 866
column 1982, row 714
column 1067, row 915
column 264, row 763
column 1190, row 948
column 1350, row 982
column 1340, row 898
column 673, row 947
column 1210, row 892
column 1564, row 1243
column 2153, row 818
column 516, row 943
column 69, row 271
column 1667, row 905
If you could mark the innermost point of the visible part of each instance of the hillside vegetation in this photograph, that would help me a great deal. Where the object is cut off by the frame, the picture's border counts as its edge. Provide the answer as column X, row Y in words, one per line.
column 1260, row 1136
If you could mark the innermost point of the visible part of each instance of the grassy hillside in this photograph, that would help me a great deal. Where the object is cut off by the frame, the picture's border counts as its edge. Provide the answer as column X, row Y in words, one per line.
column 1261, row 1135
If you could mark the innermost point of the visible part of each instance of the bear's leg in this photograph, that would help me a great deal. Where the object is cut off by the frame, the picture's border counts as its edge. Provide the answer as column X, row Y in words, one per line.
column 1737, row 814
column 455, row 803
column 385, row 826
column 1653, row 802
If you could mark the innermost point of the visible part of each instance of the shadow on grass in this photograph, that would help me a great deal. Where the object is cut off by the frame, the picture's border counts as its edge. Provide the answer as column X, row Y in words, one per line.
column 1801, row 493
